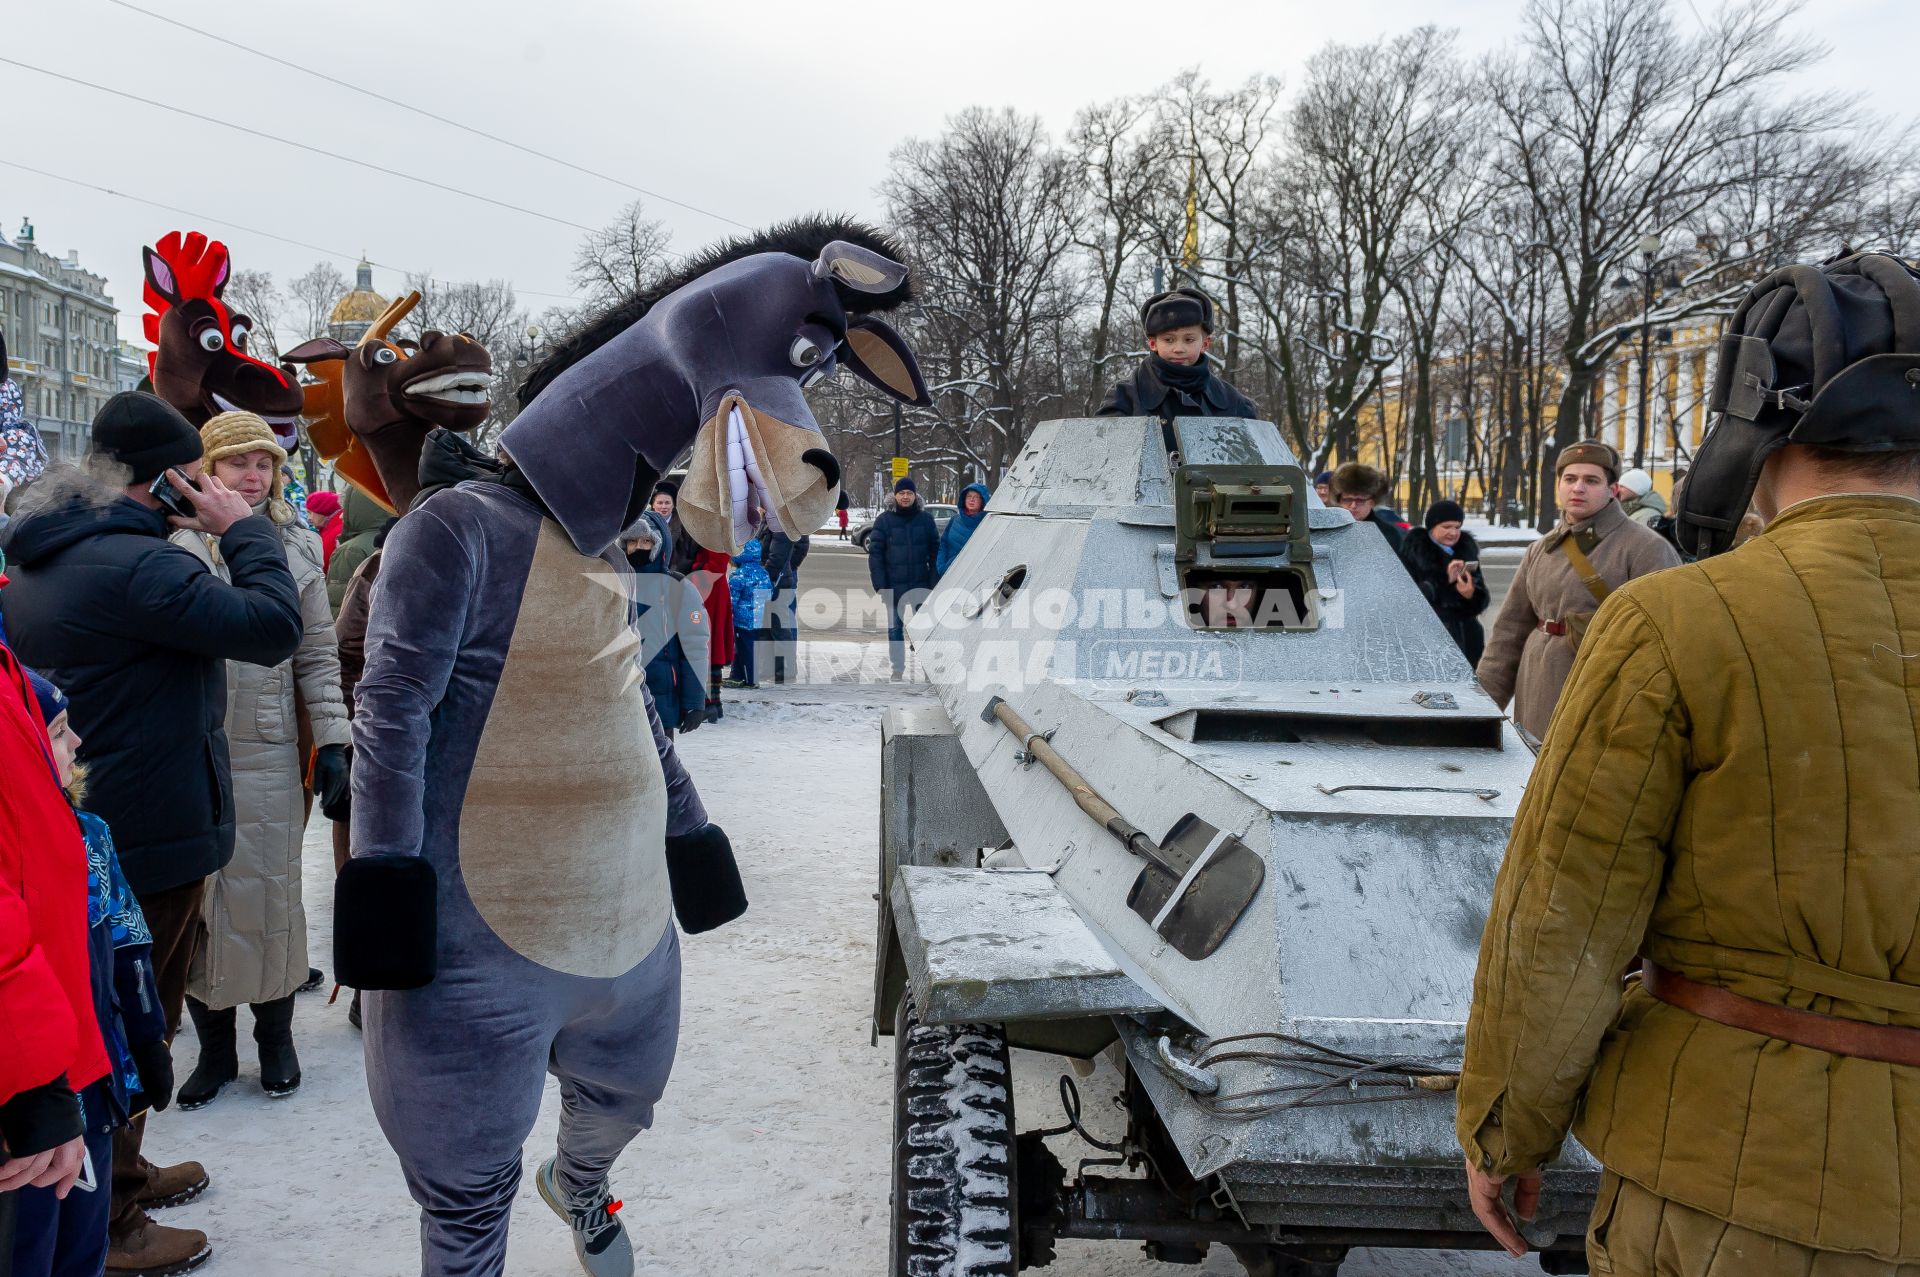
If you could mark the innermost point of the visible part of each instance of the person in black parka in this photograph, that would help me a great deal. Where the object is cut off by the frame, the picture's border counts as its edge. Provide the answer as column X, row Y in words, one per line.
column 901, row 550
column 1174, row 380
column 1444, row 562
column 137, row 631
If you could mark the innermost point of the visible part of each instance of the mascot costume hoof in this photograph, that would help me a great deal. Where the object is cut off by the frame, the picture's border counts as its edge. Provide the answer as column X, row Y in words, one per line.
column 522, row 830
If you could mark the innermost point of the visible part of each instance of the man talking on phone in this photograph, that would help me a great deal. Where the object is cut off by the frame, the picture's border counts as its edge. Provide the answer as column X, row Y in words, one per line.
column 137, row 632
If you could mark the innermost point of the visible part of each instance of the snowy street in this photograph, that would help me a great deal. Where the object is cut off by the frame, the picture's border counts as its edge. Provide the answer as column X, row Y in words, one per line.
column 769, row 1154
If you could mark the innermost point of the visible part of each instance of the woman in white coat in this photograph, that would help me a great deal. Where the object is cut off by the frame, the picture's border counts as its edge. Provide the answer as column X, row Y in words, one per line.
column 253, row 950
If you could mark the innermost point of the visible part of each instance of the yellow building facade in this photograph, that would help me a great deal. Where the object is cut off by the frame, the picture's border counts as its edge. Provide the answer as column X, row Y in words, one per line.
column 1679, row 381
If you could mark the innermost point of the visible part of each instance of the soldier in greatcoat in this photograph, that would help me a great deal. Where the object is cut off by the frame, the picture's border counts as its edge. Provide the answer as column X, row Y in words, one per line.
column 1563, row 578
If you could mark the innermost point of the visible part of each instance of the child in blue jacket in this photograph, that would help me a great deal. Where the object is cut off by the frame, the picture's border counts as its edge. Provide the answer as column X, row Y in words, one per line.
column 749, row 588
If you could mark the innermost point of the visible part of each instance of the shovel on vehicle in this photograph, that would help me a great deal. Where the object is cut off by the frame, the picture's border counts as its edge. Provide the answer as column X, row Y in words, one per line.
column 1193, row 889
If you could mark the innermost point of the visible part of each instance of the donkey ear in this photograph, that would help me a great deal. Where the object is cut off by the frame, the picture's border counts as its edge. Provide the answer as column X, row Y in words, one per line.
column 316, row 351
column 860, row 269
column 160, row 276
column 877, row 354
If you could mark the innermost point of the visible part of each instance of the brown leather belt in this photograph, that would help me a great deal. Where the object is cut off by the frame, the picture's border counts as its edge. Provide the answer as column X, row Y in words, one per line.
column 1888, row 1043
column 1556, row 628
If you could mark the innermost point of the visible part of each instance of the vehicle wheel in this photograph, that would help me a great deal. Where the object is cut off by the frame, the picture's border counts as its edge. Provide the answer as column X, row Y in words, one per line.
column 954, row 1189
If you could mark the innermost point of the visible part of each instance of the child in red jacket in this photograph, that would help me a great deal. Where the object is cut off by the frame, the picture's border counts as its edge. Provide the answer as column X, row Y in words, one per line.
column 66, row 1235
column 50, row 1046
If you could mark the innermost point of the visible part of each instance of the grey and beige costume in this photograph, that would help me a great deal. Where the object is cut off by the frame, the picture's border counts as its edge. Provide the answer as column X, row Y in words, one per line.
column 504, row 737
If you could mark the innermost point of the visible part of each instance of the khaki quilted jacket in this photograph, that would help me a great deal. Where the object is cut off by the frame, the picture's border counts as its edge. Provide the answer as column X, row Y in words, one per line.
column 1731, row 785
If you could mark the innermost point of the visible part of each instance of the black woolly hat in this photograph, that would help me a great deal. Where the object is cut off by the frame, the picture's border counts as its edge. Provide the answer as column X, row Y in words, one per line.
column 144, row 433
column 1177, row 308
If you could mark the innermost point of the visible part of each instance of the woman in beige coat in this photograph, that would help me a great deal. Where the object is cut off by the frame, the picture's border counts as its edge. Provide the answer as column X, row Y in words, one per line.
column 253, row 948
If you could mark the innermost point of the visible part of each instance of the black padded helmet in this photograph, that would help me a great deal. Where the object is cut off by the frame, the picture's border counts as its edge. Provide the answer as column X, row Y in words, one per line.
column 1827, row 356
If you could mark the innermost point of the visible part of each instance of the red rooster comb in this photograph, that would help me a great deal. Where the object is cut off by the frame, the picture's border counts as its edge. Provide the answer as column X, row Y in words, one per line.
column 181, row 268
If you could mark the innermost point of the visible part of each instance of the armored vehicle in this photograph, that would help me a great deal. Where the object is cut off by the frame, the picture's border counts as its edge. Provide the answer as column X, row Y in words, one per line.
column 1208, row 792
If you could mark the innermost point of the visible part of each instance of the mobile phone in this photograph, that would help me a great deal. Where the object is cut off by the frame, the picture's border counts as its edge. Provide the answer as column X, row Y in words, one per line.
column 170, row 497
column 88, row 1181
column 1471, row 565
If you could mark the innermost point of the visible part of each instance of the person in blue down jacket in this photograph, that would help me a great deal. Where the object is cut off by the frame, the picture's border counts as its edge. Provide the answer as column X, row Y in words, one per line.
column 900, row 558
column 679, row 689
column 973, row 508
column 749, row 587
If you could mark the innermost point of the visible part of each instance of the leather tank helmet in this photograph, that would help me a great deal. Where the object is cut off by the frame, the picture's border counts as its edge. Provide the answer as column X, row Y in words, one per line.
column 1827, row 356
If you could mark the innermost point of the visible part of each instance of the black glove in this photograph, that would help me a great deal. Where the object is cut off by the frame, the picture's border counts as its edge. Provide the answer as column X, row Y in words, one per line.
column 707, row 891
column 386, row 923
column 154, row 1062
column 332, row 781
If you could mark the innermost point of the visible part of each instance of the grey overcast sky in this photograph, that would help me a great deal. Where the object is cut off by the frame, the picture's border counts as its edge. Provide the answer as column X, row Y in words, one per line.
column 752, row 109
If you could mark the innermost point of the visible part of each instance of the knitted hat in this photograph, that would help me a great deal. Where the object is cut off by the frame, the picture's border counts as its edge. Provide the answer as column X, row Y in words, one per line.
column 905, row 485
column 668, row 487
column 1589, row 452
column 323, row 503
column 1177, row 308
column 232, row 434
column 1325, row 476
column 53, row 701
column 1637, row 481
column 1444, row 511
column 144, row 433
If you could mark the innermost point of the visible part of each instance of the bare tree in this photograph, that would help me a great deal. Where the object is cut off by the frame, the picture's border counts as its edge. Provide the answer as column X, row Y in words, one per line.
column 1227, row 137
column 1617, row 124
column 251, row 292
column 989, row 209
column 1379, row 129
column 315, row 295
column 1128, row 162
column 622, row 257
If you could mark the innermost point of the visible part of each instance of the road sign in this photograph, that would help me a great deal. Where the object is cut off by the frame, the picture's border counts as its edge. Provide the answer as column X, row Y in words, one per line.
column 899, row 467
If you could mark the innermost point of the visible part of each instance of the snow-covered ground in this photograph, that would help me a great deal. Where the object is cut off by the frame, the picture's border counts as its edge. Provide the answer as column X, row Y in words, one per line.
column 770, row 1152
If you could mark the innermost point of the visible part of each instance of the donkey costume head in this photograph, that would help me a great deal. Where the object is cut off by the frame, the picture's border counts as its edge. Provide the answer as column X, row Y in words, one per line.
column 716, row 356
column 373, row 405
column 200, row 363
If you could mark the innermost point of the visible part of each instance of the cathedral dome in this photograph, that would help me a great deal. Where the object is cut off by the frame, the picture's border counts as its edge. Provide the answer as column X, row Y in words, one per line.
column 354, row 314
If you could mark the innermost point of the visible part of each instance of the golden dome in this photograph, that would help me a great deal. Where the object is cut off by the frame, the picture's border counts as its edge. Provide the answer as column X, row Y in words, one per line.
column 361, row 306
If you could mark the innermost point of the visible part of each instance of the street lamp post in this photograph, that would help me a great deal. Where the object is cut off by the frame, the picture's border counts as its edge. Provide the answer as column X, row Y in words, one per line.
column 1649, row 247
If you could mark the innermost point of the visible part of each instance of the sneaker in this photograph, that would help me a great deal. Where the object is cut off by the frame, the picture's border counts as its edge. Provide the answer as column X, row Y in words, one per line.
column 155, row 1250
column 174, row 1185
column 599, row 1239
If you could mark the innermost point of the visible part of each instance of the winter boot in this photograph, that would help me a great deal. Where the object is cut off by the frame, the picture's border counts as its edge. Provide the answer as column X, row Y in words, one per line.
column 219, row 1064
column 174, row 1185
column 315, row 978
column 599, row 1238
column 155, row 1250
column 273, row 1033
column 353, row 1010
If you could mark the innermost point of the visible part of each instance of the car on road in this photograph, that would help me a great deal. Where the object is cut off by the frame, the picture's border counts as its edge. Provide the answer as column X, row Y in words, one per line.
column 940, row 511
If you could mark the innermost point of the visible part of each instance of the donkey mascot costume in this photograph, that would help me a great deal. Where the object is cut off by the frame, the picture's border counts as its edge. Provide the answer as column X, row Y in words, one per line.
column 521, row 828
